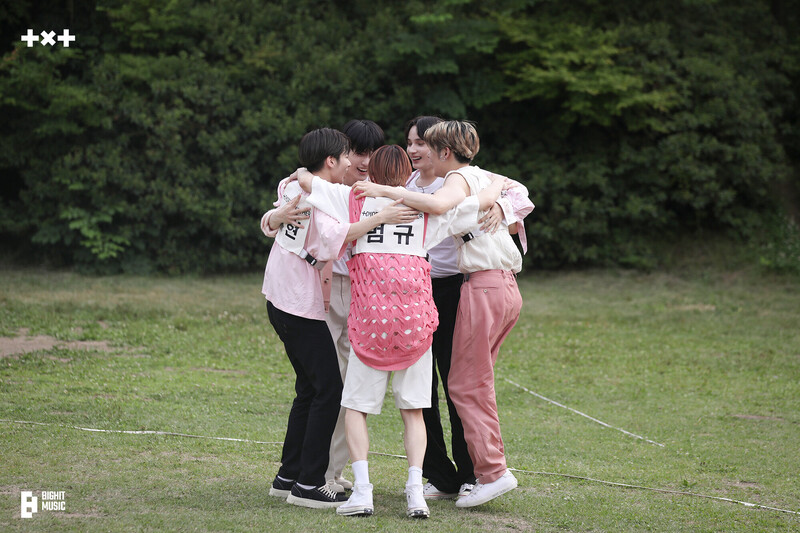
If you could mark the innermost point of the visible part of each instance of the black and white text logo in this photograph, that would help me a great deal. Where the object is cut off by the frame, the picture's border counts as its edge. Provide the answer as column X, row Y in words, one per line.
column 48, row 38
column 51, row 500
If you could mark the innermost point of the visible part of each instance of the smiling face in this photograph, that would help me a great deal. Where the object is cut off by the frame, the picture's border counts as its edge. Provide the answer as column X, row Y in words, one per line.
column 341, row 169
column 358, row 168
column 418, row 150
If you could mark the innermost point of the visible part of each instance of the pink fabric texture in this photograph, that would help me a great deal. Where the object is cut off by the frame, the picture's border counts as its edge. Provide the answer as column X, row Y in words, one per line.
column 392, row 313
column 290, row 283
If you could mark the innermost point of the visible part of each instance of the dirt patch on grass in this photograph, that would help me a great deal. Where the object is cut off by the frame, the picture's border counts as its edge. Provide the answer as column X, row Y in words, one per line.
column 25, row 343
column 759, row 417
column 79, row 515
column 743, row 484
column 208, row 369
column 221, row 370
column 490, row 522
column 696, row 307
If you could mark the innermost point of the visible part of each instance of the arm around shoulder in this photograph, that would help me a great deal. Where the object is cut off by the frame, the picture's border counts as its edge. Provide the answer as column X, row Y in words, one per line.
column 436, row 204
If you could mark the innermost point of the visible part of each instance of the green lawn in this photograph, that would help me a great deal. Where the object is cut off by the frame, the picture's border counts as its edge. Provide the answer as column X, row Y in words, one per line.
column 702, row 360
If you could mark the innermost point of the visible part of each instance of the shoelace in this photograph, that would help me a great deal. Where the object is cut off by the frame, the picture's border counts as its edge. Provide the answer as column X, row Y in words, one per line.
column 476, row 488
column 327, row 491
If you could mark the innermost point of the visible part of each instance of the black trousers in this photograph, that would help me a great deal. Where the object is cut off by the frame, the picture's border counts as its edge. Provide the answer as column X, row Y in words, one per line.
column 436, row 466
column 318, row 388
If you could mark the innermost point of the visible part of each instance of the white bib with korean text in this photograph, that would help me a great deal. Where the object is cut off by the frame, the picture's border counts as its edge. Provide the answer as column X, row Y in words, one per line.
column 290, row 237
column 408, row 239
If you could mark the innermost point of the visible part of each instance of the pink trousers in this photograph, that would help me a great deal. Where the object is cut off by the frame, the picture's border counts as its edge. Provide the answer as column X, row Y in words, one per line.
column 489, row 307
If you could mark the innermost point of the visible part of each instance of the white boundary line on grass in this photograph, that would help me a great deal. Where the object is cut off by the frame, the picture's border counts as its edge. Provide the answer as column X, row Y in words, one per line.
column 583, row 414
column 141, row 432
column 530, row 472
column 167, row 433
column 664, row 491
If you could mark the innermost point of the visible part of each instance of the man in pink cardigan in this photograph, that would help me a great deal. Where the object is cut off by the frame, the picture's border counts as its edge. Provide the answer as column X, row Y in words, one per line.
column 304, row 240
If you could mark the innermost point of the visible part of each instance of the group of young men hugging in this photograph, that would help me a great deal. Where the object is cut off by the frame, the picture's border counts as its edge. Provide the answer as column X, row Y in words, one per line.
column 392, row 262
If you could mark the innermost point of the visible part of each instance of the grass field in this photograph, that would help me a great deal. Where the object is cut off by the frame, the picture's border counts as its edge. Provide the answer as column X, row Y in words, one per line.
column 703, row 360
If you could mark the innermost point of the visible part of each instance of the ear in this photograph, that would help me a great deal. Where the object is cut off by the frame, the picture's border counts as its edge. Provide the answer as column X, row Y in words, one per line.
column 330, row 161
column 444, row 154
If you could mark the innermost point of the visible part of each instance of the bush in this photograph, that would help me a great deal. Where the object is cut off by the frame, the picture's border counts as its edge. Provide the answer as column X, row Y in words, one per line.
column 156, row 142
column 780, row 246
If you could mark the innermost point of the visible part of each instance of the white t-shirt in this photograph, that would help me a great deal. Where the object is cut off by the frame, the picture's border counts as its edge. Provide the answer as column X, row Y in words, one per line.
column 334, row 200
column 443, row 256
column 340, row 265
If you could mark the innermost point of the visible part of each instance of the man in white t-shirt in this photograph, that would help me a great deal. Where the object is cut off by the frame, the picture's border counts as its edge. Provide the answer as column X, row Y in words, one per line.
column 365, row 137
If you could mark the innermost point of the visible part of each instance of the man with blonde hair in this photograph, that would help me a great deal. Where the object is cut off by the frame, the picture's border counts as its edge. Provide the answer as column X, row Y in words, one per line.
column 489, row 305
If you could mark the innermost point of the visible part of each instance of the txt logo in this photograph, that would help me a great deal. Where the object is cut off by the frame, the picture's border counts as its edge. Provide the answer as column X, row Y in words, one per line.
column 29, row 504
column 47, row 38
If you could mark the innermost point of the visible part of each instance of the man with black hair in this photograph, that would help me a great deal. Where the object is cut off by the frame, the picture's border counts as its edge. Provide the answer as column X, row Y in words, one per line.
column 304, row 239
column 365, row 137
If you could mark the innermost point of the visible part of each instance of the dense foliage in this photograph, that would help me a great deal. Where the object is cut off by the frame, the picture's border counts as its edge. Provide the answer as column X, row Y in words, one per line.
column 155, row 141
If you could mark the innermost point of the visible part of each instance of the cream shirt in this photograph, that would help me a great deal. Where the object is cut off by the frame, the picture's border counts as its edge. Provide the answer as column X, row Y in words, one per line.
column 488, row 251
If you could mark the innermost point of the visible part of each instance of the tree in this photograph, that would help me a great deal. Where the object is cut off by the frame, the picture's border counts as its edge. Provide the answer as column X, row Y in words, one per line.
column 157, row 142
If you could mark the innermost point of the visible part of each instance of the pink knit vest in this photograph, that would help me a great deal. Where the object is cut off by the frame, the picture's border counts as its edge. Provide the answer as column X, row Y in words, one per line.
column 392, row 313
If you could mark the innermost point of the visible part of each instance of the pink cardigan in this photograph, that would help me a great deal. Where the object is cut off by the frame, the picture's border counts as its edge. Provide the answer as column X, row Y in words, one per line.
column 290, row 283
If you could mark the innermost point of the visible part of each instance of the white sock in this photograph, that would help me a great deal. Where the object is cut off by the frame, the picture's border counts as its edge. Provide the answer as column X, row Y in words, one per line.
column 414, row 476
column 284, row 479
column 306, row 487
column 360, row 472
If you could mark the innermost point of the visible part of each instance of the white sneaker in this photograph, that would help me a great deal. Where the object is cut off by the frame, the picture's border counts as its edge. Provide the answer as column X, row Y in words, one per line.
column 346, row 485
column 359, row 503
column 417, row 508
column 465, row 489
column 430, row 492
column 483, row 492
column 335, row 487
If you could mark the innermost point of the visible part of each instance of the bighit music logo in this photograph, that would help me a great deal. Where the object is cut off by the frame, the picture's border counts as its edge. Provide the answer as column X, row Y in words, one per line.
column 52, row 500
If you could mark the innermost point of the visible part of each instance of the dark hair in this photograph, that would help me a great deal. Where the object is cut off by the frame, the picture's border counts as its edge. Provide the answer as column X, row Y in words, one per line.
column 389, row 165
column 422, row 122
column 365, row 136
column 317, row 145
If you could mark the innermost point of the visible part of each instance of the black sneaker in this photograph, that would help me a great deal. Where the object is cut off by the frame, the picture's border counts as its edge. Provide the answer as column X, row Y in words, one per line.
column 316, row 498
column 281, row 488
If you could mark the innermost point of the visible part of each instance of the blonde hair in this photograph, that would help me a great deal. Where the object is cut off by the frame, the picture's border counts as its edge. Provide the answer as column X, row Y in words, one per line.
column 460, row 136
